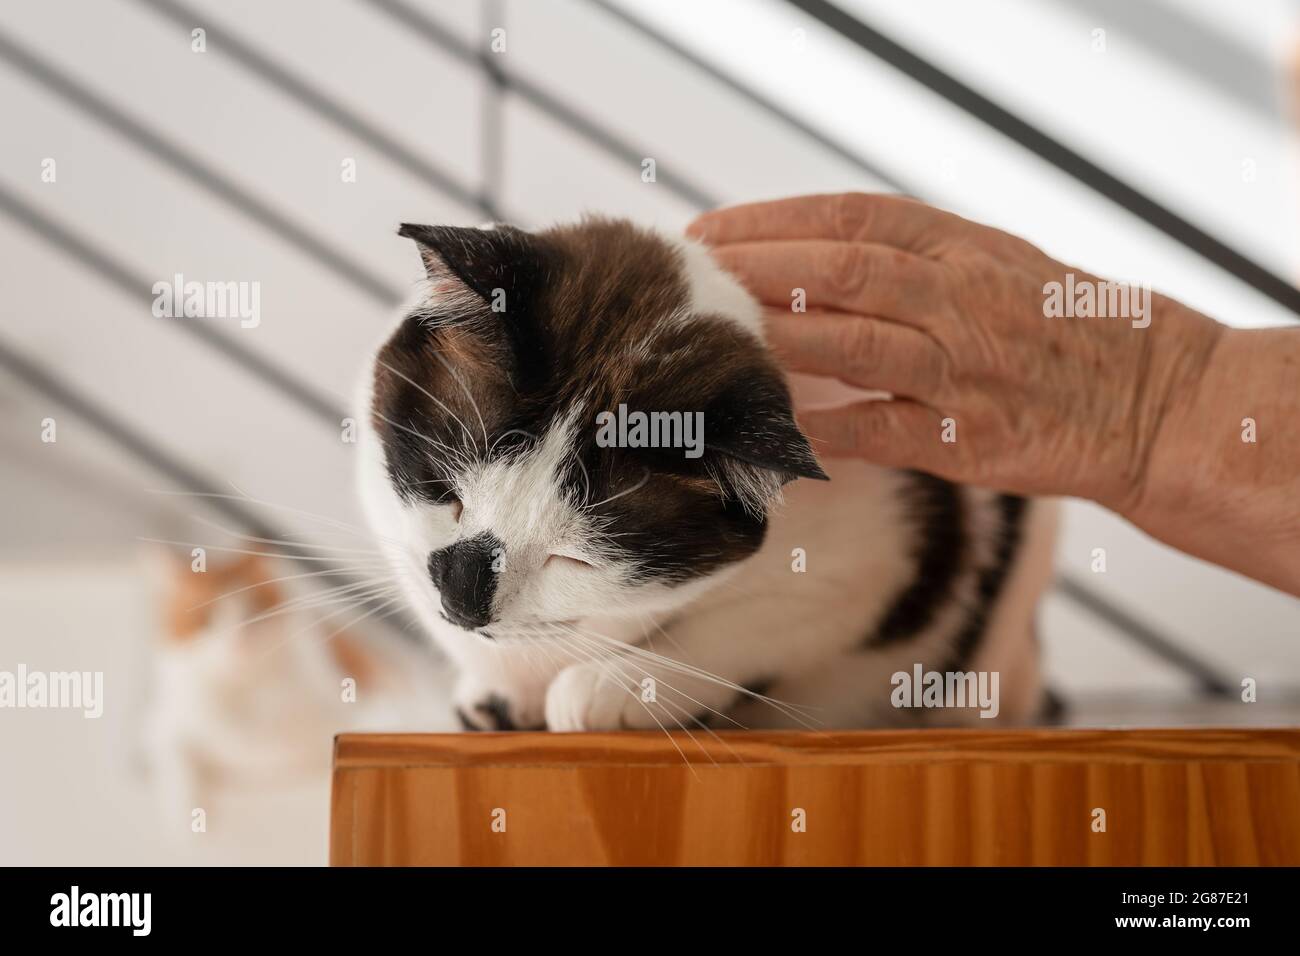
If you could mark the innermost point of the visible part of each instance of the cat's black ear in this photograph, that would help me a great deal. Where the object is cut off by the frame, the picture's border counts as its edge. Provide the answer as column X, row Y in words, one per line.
column 502, row 264
column 753, row 423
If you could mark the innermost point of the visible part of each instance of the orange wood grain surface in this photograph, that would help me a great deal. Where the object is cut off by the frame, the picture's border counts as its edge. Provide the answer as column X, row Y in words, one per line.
column 1171, row 797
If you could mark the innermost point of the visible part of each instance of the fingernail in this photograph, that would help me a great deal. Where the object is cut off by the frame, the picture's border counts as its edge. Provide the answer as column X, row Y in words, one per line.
column 698, row 229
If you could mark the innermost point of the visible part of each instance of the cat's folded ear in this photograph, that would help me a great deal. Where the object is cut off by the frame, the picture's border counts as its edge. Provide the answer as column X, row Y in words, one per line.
column 754, row 443
column 753, row 422
column 487, row 281
column 500, row 264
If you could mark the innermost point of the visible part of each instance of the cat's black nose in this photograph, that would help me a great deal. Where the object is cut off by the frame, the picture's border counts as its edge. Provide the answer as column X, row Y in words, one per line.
column 465, row 575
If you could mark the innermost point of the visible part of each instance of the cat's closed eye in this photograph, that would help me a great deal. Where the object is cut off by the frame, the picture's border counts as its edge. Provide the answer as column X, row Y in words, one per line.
column 451, row 501
column 565, row 560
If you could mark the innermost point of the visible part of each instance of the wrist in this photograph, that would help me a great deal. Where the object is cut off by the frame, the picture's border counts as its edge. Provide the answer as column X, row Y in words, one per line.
column 1182, row 372
column 1222, row 480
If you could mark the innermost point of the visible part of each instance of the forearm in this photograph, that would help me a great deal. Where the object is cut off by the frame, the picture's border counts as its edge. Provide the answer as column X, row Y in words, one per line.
column 1221, row 476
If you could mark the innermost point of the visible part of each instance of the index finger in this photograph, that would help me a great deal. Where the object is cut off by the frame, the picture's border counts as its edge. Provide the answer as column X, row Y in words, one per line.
column 851, row 217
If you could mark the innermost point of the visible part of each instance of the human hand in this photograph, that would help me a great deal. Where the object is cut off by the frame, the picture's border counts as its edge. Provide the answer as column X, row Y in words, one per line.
column 949, row 316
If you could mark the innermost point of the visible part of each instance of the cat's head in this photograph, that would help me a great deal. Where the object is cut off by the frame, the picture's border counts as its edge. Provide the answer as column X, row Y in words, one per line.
column 510, row 466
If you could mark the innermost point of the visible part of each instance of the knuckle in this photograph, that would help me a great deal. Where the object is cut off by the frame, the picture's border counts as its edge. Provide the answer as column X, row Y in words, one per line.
column 867, row 428
column 943, row 377
column 900, row 263
column 845, row 272
column 860, row 345
column 875, row 429
column 851, row 215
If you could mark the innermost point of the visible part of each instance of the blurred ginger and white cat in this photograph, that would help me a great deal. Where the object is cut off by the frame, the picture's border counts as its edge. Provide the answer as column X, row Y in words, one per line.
column 249, row 692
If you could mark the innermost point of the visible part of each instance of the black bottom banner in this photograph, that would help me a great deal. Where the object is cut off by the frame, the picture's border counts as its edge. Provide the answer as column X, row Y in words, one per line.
column 334, row 906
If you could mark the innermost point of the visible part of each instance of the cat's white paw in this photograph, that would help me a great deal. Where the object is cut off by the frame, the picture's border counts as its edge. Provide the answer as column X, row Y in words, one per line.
column 589, row 697
column 483, row 706
column 585, row 697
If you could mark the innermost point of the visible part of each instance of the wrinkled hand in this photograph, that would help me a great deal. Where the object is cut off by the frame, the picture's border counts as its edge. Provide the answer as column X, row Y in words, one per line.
column 948, row 316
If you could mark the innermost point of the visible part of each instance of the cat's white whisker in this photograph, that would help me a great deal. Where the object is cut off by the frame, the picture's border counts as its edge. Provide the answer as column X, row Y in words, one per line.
column 354, row 594
column 455, row 377
column 793, row 711
column 305, row 545
column 606, row 642
column 371, row 612
column 661, row 683
column 595, row 660
column 435, row 400
column 660, row 628
column 452, row 453
column 339, row 590
column 241, row 496
column 234, row 629
column 645, row 478
column 507, row 434
column 277, row 580
column 230, row 550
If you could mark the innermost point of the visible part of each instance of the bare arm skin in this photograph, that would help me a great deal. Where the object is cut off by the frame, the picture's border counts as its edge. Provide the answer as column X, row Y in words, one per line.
column 948, row 316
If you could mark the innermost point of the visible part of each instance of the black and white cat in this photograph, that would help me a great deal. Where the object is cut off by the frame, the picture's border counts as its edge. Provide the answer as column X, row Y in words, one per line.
column 584, row 587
